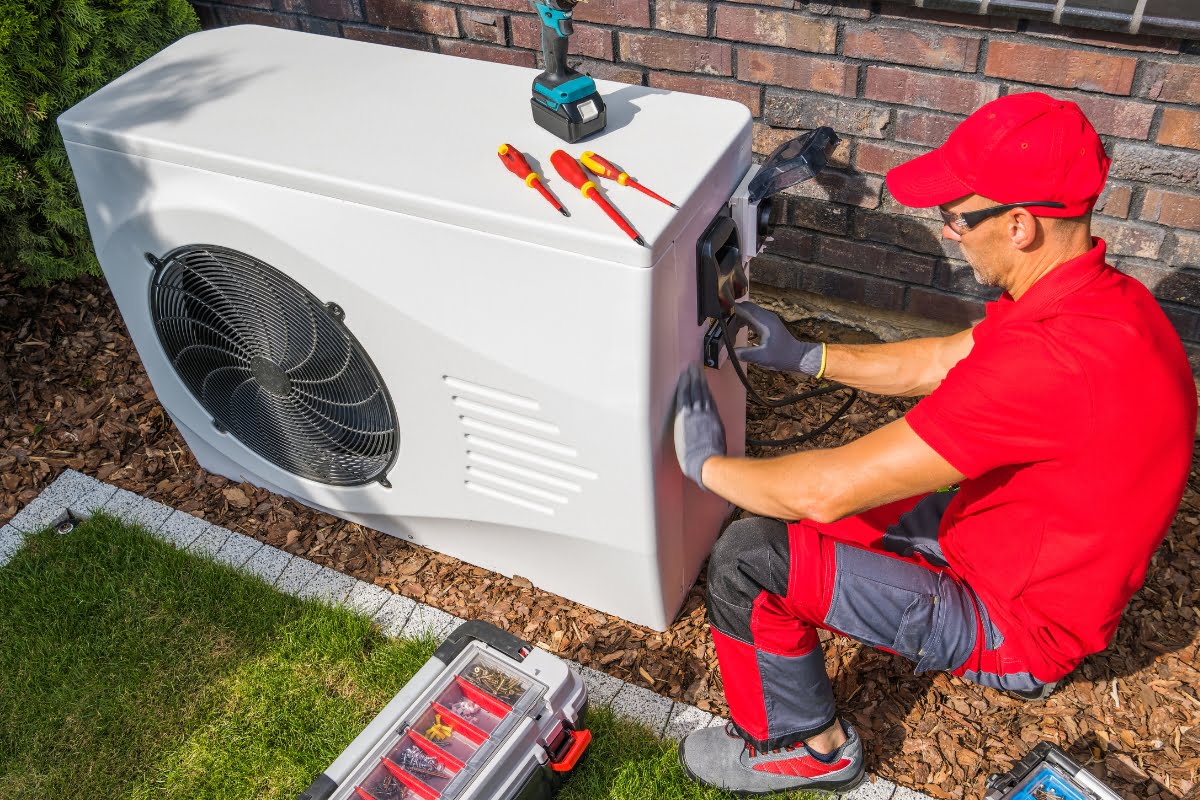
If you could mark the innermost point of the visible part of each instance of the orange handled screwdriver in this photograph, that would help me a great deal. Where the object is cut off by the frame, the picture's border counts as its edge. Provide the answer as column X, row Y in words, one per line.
column 569, row 169
column 518, row 166
column 604, row 168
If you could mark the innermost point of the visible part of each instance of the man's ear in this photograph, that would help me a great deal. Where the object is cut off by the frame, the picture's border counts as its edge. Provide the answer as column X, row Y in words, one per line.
column 1022, row 228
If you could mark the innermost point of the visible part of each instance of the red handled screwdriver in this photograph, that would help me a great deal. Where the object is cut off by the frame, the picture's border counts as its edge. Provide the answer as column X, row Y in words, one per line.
column 518, row 166
column 604, row 168
column 569, row 169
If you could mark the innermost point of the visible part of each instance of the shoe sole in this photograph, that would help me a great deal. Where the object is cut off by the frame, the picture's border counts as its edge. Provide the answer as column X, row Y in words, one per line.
column 827, row 786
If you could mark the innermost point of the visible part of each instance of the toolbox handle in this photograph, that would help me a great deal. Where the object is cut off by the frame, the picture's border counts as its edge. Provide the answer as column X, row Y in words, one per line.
column 579, row 742
column 485, row 632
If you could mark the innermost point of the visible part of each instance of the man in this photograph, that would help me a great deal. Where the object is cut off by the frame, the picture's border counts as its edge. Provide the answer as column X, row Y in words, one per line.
column 998, row 529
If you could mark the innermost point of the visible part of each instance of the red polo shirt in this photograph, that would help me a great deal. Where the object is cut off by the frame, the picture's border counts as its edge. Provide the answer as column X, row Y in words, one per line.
column 1072, row 419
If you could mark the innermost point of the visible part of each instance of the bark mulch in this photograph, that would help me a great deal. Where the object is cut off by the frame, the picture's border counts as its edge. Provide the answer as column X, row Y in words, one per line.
column 73, row 394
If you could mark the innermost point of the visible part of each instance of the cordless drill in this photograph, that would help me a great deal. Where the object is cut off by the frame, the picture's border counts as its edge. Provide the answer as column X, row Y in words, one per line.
column 564, row 101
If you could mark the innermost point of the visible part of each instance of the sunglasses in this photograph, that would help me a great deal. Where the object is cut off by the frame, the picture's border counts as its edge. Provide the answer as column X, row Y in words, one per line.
column 969, row 219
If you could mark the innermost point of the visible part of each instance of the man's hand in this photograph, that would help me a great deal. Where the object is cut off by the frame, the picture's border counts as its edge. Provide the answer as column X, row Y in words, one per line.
column 699, row 433
column 777, row 348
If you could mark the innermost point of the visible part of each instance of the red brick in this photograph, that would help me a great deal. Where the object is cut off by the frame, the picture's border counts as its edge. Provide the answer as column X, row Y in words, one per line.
column 607, row 71
column 854, row 9
column 1129, row 119
column 906, row 232
column 413, row 16
column 1114, row 200
column 483, row 26
column 878, row 158
column 789, row 4
column 927, row 47
column 816, row 214
column 788, row 110
column 588, row 40
column 779, row 28
column 1187, row 250
column 1060, row 66
column 405, row 39
column 798, row 72
column 1145, row 163
column 486, row 52
column 527, row 33
column 749, row 96
column 941, row 92
column 1148, row 44
column 827, row 282
column 264, row 4
column 922, row 127
column 682, row 16
column 207, row 16
column 677, row 54
column 852, row 189
column 765, row 139
column 793, row 243
column 875, row 260
column 926, row 16
column 1174, row 209
column 504, row 5
column 1126, row 238
column 1172, row 83
column 625, row 13
column 335, row 9
column 248, row 16
column 1180, row 128
column 932, row 304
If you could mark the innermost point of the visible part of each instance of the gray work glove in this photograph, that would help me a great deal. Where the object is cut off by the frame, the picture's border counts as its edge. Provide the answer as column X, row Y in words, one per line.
column 699, row 434
column 777, row 348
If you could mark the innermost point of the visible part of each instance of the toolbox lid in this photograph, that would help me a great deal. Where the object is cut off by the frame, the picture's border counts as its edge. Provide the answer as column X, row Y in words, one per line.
column 414, row 132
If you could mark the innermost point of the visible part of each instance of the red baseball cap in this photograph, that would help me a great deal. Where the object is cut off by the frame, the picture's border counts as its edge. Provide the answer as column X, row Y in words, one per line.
column 1015, row 149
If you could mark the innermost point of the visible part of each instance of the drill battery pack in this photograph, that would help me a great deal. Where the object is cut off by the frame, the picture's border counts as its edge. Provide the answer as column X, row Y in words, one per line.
column 1047, row 773
column 488, row 717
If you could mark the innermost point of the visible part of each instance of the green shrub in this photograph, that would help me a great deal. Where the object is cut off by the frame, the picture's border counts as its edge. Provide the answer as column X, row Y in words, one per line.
column 53, row 53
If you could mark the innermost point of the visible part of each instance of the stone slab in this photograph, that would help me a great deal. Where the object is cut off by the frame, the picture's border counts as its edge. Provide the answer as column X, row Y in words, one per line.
column 209, row 541
column 426, row 619
column 11, row 540
column 328, row 586
column 602, row 688
column 237, row 550
column 393, row 615
column 137, row 510
column 297, row 574
column 684, row 719
column 268, row 563
column 367, row 598
column 636, row 702
column 181, row 529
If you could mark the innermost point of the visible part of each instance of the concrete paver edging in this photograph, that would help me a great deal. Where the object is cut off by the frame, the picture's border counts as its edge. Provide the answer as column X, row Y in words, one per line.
column 80, row 495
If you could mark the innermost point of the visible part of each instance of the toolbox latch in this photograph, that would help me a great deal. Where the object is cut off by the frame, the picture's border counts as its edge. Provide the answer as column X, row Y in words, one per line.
column 573, row 745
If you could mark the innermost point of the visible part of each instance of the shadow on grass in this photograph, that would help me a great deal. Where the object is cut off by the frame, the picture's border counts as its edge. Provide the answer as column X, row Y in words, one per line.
column 134, row 670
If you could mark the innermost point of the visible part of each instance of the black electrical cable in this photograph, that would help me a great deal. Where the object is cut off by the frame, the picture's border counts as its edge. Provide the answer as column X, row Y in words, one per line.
column 789, row 400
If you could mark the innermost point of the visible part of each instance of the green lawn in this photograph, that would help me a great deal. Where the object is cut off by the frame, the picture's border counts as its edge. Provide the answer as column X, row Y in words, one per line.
column 133, row 670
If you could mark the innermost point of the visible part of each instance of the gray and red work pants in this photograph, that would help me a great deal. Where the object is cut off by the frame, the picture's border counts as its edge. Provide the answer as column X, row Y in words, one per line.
column 879, row 578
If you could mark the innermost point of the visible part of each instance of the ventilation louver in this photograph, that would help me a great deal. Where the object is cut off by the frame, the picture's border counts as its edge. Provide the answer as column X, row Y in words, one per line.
column 273, row 365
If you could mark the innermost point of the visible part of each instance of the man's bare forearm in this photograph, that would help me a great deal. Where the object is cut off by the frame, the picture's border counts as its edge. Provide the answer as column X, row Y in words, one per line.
column 912, row 367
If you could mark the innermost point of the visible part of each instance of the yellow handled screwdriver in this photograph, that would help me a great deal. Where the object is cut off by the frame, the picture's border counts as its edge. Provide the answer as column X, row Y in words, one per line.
column 604, row 168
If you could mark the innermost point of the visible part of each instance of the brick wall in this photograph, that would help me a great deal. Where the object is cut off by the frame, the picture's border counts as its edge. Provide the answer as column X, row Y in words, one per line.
column 892, row 80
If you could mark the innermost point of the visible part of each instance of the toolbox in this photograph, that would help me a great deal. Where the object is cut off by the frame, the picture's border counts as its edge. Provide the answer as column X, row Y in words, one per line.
column 488, row 717
column 1047, row 773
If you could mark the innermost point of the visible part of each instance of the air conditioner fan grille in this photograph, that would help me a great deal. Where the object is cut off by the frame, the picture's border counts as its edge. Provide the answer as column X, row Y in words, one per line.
column 273, row 365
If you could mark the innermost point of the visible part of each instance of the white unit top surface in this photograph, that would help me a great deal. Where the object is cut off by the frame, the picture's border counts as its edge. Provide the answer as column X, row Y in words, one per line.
column 411, row 132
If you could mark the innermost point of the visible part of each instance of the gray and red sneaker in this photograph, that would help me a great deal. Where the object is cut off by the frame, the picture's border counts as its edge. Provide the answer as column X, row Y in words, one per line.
column 718, row 757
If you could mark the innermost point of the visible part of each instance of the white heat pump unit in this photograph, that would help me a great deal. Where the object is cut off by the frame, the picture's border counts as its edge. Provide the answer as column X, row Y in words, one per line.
column 340, row 294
